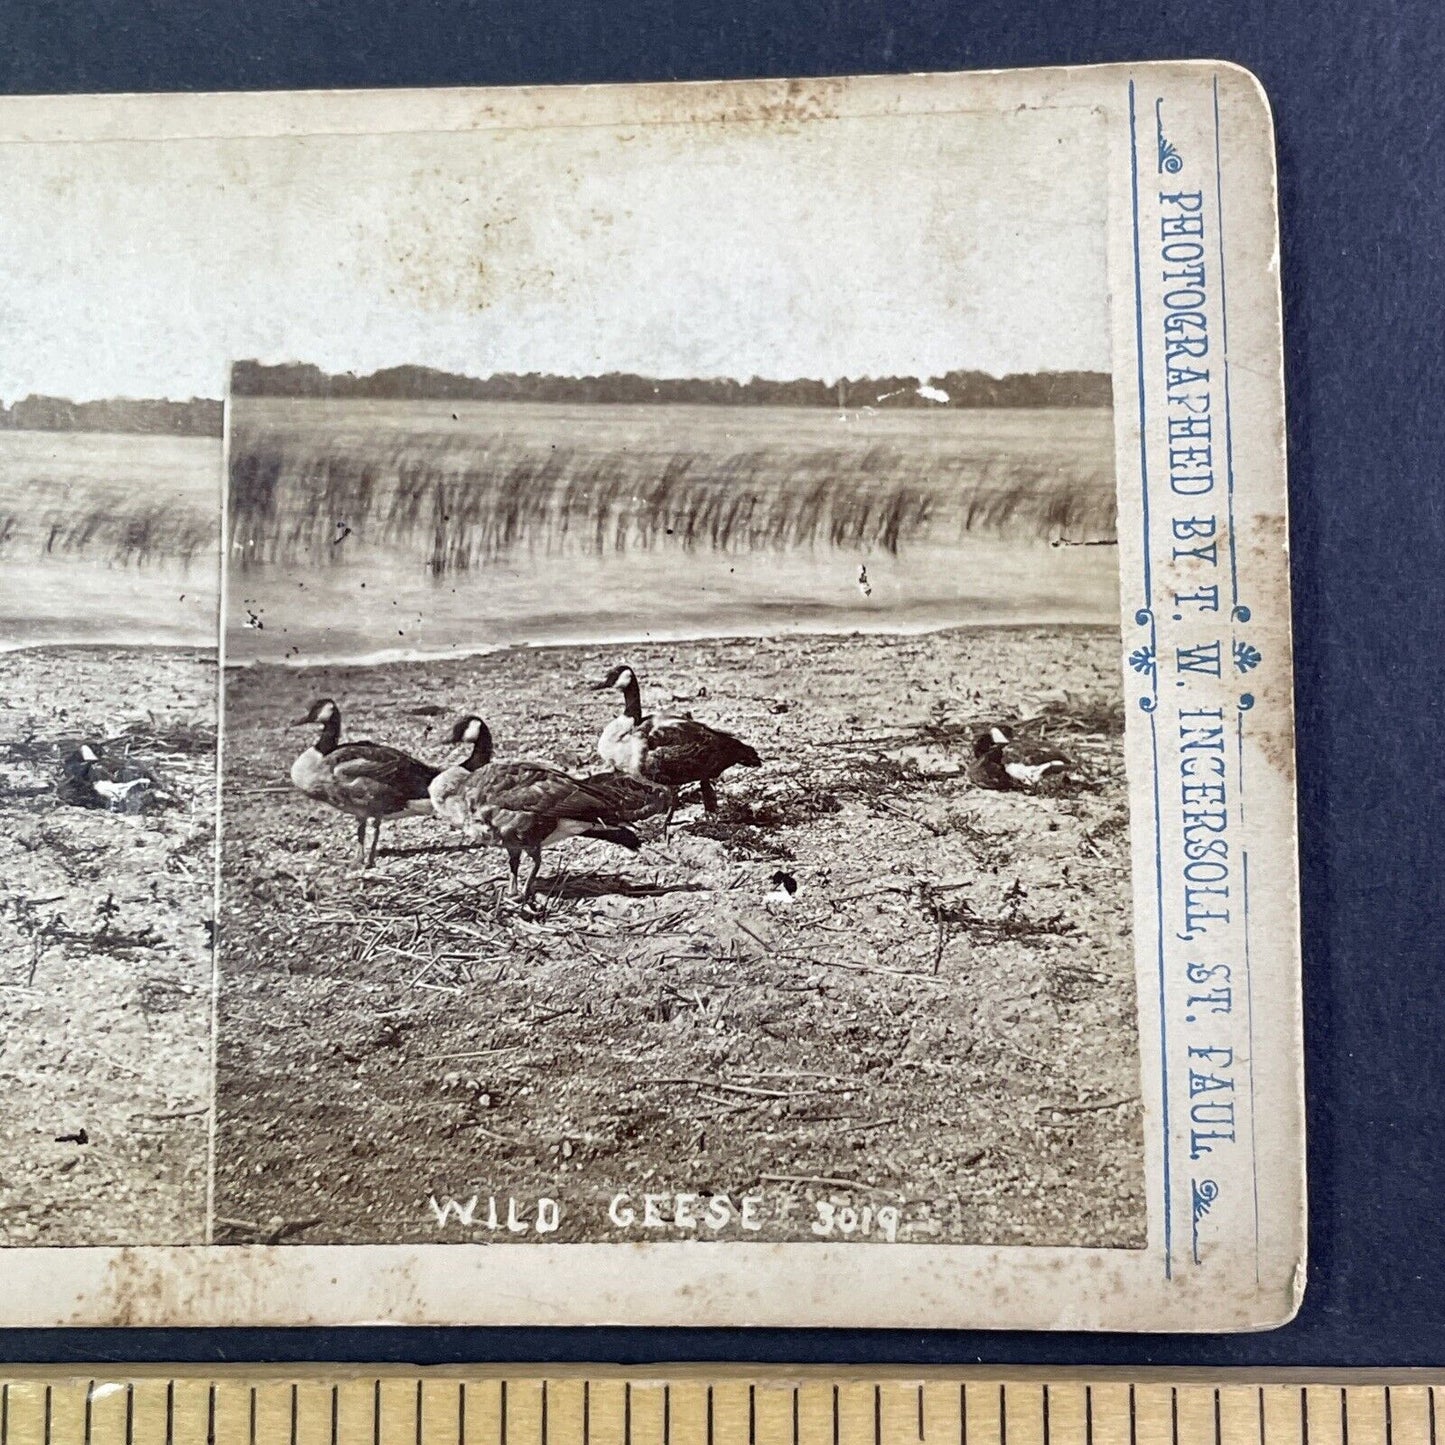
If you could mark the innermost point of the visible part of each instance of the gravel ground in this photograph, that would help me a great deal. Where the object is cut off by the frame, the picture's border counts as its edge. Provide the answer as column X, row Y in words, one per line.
column 105, row 954
column 941, row 1022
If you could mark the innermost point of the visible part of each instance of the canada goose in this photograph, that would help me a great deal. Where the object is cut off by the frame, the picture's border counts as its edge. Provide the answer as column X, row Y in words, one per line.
column 524, row 806
column 668, row 749
column 92, row 779
column 367, row 780
column 1001, row 762
column 628, row 799
column 987, row 769
column 447, row 784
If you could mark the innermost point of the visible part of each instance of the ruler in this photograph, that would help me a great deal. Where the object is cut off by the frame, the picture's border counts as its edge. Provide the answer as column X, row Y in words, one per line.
column 712, row 1406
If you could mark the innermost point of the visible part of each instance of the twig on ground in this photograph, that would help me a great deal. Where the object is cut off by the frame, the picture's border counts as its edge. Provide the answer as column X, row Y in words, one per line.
column 738, row 1088
column 908, row 817
column 1090, row 1108
column 828, row 1182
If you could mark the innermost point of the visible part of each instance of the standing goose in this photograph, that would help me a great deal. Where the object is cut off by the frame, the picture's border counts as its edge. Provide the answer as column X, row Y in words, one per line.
column 445, row 788
column 628, row 799
column 523, row 806
column 1023, row 764
column 668, row 749
column 367, row 780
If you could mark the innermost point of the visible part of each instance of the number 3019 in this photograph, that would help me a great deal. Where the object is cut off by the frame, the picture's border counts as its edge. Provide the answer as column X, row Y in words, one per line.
column 844, row 1221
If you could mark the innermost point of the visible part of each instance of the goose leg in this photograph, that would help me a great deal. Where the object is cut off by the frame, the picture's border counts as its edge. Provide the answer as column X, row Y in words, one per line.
column 361, row 842
column 535, row 854
column 667, row 817
column 375, row 839
column 514, row 860
column 709, row 797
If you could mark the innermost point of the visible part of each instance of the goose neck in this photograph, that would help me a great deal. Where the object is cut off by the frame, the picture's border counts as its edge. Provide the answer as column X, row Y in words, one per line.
column 632, row 699
column 481, row 753
column 330, row 736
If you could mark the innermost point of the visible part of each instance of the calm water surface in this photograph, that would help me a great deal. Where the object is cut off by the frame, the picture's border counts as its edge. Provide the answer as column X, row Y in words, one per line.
column 354, row 594
column 113, row 538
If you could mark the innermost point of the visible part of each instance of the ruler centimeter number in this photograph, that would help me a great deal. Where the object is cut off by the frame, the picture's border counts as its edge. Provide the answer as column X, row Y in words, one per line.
column 698, row 1407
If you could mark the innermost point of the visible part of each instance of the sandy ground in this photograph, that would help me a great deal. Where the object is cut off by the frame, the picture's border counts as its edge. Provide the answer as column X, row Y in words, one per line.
column 105, row 957
column 941, row 1022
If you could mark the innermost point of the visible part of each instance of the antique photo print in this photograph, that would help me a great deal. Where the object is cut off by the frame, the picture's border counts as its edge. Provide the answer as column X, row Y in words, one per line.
column 799, row 719
column 651, row 705
column 108, row 540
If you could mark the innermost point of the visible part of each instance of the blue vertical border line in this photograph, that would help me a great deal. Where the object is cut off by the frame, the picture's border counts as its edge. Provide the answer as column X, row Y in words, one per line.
column 1248, row 988
column 1144, row 616
column 1163, row 1011
column 1237, row 613
column 1139, row 355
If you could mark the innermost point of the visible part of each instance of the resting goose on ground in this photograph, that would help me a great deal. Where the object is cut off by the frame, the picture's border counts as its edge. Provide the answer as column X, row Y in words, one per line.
column 668, row 749
column 1000, row 762
column 95, row 779
column 364, row 779
column 524, row 806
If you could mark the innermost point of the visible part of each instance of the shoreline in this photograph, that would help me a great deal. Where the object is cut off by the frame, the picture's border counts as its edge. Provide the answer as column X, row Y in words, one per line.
column 952, row 959
column 399, row 657
column 10, row 649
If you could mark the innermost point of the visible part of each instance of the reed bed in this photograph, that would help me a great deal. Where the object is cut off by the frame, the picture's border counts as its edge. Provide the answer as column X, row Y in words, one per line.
column 114, row 528
column 459, row 503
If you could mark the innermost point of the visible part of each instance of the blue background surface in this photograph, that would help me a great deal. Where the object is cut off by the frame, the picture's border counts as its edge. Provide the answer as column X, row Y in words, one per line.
column 1359, row 95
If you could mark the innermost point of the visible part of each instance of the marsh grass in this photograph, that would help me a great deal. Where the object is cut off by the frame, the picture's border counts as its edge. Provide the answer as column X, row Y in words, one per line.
column 114, row 529
column 458, row 503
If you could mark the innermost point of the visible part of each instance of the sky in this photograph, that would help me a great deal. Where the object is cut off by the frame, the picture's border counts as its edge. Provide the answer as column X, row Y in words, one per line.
column 858, row 246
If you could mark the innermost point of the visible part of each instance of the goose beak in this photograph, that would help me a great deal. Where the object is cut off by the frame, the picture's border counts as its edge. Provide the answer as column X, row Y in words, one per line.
column 297, row 722
column 597, row 686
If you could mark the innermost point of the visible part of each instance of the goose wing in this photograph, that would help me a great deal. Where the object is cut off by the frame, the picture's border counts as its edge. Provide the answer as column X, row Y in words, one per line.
column 680, row 750
column 536, row 790
column 375, row 770
column 1035, row 754
column 628, row 799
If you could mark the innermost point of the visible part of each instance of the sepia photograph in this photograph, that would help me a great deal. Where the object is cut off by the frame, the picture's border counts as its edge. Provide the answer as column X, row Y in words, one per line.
column 699, row 668
column 690, row 804
column 108, row 690
column 674, row 806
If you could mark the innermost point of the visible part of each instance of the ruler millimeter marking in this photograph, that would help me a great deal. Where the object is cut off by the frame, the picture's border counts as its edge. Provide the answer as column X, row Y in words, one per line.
column 705, row 1408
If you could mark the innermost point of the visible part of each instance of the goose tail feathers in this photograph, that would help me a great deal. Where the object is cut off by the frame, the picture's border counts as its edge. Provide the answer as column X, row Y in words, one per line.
column 623, row 837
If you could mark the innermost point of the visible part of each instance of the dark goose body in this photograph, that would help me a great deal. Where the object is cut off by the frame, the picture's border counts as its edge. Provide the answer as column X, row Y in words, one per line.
column 366, row 780
column 524, row 807
column 670, row 750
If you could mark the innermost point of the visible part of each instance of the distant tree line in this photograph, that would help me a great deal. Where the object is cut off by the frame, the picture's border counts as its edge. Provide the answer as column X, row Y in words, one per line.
column 194, row 418
column 202, row 417
column 421, row 383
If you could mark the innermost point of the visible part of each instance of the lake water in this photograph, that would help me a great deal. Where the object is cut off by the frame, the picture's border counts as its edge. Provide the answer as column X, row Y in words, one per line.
column 113, row 538
column 330, row 573
column 108, row 538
